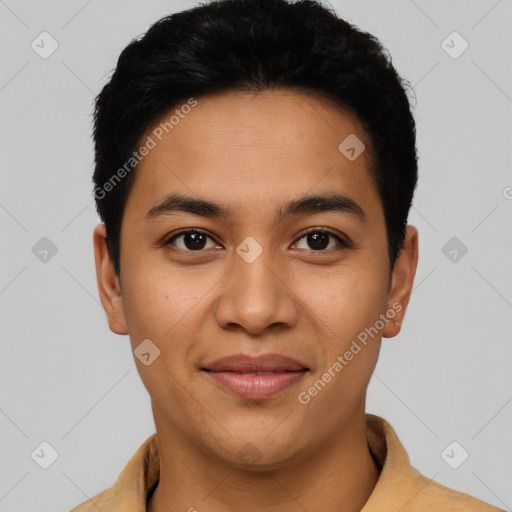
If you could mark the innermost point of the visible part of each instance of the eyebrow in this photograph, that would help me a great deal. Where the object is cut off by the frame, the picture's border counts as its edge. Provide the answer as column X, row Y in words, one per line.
column 307, row 205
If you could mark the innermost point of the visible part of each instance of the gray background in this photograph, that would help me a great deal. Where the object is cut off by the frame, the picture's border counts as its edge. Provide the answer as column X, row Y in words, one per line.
column 66, row 379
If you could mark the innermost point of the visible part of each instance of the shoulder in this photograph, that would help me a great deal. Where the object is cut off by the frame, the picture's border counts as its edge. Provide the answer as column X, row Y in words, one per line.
column 129, row 492
column 401, row 487
column 101, row 501
column 434, row 496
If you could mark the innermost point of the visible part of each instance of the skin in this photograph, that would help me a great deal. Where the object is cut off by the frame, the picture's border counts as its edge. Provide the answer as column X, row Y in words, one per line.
column 252, row 153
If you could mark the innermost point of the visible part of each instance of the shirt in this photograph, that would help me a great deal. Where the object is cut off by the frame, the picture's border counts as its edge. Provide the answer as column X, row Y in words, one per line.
column 400, row 487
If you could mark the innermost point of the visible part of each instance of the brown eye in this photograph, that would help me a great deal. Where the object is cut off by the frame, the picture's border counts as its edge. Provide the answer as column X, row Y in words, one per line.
column 319, row 240
column 191, row 240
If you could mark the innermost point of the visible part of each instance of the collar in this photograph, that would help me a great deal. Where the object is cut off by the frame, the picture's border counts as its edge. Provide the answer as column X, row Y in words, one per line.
column 400, row 486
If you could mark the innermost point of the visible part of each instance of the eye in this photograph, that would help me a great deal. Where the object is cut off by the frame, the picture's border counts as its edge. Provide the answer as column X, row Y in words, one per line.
column 191, row 240
column 318, row 240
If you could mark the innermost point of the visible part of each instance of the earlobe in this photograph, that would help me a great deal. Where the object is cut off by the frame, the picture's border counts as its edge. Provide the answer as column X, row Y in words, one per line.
column 109, row 288
column 402, row 281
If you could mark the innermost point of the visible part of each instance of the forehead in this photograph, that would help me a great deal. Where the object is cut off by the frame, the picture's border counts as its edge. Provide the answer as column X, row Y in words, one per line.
column 249, row 150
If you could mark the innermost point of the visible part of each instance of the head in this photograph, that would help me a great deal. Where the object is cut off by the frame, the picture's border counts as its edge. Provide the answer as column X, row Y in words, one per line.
column 255, row 166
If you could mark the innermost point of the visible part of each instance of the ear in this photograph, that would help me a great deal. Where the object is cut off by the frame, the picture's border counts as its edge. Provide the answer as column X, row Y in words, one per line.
column 109, row 287
column 402, row 280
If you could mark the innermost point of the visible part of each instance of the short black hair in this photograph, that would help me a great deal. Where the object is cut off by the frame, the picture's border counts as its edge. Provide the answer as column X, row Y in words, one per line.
column 255, row 45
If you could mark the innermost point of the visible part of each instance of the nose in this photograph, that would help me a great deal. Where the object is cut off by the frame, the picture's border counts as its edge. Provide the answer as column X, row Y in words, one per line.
column 255, row 296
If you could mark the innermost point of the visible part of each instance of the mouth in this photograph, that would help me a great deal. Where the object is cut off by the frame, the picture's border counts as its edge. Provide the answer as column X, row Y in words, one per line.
column 255, row 378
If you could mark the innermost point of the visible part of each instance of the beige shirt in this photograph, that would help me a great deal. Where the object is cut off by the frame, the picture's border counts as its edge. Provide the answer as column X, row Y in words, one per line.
column 400, row 488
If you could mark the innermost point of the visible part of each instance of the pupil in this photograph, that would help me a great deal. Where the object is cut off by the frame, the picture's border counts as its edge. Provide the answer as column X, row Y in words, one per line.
column 194, row 240
column 318, row 240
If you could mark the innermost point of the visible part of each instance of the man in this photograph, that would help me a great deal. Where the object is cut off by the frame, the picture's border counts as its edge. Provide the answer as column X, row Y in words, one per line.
column 255, row 166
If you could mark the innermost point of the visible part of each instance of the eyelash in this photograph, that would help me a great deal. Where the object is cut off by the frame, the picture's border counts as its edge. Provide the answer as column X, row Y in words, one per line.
column 343, row 244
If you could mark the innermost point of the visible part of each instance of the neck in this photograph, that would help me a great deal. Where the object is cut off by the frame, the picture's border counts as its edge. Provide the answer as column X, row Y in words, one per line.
column 340, row 475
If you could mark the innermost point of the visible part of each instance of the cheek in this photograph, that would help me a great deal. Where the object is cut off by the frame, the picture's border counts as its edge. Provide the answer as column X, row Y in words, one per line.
column 345, row 301
column 158, row 301
column 159, row 306
column 165, row 306
column 350, row 346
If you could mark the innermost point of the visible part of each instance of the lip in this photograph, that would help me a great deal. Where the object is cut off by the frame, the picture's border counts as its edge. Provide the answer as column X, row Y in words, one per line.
column 241, row 363
column 255, row 377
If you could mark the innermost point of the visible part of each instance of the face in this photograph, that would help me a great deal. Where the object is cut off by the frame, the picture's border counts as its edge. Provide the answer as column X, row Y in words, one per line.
column 287, row 285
